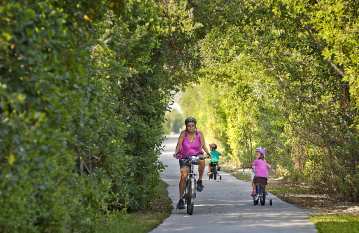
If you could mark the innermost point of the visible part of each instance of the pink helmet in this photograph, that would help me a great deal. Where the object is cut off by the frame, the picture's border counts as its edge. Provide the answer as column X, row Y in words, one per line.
column 261, row 150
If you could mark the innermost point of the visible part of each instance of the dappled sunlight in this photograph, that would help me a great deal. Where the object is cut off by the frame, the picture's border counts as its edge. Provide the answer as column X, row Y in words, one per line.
column 90, row 89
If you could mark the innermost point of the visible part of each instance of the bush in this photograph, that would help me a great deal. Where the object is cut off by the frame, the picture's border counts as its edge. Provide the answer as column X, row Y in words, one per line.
column 83, row 91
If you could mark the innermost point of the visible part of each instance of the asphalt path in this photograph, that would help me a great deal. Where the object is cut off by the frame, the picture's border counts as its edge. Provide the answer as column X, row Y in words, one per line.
column 225, row 206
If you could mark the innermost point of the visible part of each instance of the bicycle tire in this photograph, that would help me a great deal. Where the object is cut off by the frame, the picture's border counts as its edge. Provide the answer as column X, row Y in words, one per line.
column 189, row 197
column 194, row 188
column 263, row 196
column 263, row 199
column 190, row 209
column 215, row 172
column 186, row 190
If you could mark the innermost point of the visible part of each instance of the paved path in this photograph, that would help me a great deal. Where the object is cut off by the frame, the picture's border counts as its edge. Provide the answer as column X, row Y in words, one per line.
column 226, row 207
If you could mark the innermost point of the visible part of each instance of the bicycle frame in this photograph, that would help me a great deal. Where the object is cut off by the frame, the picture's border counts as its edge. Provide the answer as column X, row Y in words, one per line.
column 214, row 170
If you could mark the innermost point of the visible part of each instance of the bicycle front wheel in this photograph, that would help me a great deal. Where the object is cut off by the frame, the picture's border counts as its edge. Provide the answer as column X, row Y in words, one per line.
column 189, row 197
column 190, row 208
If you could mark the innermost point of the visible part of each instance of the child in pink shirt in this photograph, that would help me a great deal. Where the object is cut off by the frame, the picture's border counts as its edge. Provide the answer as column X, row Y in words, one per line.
column 260, row 168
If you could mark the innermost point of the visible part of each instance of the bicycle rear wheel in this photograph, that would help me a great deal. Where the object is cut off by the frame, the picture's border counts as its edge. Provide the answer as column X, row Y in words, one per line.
column 255, row 200
column 263, row 196
column 263, row 199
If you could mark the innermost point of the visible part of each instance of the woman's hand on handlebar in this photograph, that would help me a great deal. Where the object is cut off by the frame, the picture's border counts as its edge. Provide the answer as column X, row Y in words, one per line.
column 208, row 155
column 176, row 155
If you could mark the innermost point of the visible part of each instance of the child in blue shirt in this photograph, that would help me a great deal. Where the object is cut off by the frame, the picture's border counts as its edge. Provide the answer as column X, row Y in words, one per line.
column 214, row 154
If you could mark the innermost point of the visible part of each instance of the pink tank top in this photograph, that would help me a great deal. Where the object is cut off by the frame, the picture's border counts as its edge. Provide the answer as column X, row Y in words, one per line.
column 191, row 148
column 260, row 168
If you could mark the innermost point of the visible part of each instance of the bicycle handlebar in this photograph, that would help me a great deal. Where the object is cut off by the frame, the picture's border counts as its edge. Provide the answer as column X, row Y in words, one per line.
column 178, row 156
column 193, row 160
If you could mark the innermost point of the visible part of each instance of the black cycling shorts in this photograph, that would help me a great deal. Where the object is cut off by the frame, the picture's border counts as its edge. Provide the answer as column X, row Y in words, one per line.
column 182, row 162
column 260, row 180
column 213, row 163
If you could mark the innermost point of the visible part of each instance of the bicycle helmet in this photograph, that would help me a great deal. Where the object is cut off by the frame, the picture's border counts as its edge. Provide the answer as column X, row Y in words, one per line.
column 261, row 150
column 213, row 145
column 190, row 119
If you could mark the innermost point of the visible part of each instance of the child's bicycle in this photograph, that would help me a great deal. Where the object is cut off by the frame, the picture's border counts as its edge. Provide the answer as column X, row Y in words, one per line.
column 191, row 184
column 261, row 195
column 213, row 174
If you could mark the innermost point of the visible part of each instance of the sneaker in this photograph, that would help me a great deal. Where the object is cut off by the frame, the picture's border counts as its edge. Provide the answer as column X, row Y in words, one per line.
column 180, row 204
column 199, row 186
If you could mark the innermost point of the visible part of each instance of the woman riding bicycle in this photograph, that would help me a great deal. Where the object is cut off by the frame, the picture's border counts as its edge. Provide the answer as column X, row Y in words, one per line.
column 190, row 143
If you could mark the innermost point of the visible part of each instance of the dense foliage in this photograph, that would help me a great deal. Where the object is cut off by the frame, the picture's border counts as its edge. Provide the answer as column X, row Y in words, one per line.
column 284, row 75
column 84, row 86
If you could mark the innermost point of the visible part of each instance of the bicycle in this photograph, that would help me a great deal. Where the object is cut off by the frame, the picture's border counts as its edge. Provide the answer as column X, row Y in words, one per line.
column 214, row 171
column 261, row 194
column 191, row 184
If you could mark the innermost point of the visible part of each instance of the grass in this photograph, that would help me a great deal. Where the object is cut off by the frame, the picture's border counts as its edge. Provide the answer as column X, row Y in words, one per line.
column 287, row 189
column 242, row 176
column 140, row 221
column 336, row 223
column 239, row 174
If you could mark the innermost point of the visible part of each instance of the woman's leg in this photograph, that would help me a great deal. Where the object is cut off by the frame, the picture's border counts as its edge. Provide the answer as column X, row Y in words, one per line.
column 201, row 166
column 182, row 183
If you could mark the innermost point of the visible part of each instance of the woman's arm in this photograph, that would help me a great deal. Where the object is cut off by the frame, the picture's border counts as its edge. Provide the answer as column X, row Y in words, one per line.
column 179, row 142
column 203, row 142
